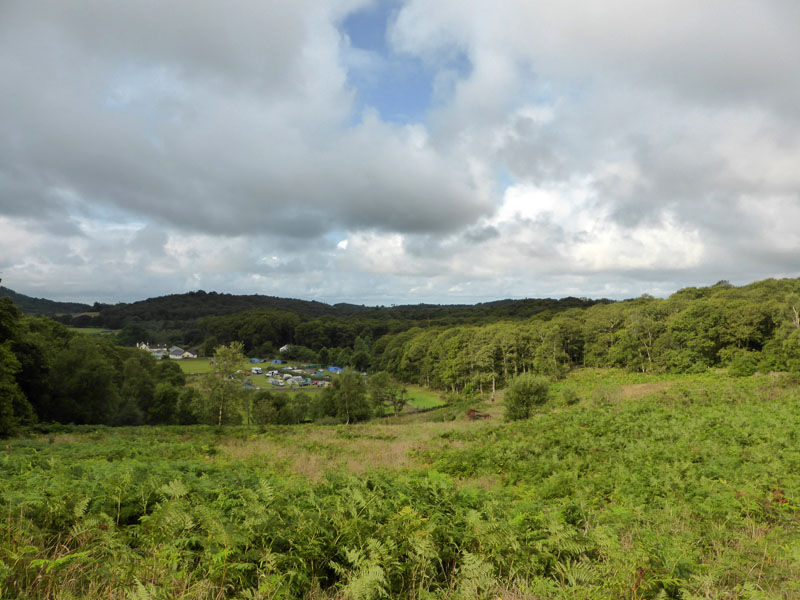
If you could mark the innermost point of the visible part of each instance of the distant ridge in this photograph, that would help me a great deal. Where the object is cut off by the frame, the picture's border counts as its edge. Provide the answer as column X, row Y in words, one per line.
column 42, row 306
column 192, row 306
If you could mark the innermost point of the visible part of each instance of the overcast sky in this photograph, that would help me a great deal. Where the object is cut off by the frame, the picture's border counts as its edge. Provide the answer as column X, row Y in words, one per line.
column 440, row 151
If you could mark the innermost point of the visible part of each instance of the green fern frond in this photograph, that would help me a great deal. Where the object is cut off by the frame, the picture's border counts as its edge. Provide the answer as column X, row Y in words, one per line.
column 574, row 572
column 174, row 489
column 475, row 576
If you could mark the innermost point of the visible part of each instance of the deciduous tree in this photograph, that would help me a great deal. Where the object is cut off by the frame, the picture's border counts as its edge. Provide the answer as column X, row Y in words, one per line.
column 348, row 395
column 224, row 384
column 386, row 393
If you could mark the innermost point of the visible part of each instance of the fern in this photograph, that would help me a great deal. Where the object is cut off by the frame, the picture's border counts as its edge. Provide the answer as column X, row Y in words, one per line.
column 141, row 592
column 174, row 489
column 367, row 579
column 474, row 576
column 573, row 572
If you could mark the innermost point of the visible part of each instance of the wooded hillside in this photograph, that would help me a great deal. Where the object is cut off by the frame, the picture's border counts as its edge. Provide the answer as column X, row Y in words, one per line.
column 749, row 328
column 42, row 306
column 48, row 373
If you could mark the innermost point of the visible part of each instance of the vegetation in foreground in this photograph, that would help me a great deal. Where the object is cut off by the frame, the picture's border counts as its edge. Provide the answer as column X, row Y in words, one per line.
column 618, row 486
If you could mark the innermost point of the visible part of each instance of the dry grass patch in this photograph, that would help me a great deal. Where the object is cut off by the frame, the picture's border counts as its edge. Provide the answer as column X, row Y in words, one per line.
column 311, row 450
column 640, row 390
column 60, row 438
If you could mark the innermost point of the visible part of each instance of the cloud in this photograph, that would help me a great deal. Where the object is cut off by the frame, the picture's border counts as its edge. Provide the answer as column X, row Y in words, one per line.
column 557, row 148
column 227, row 123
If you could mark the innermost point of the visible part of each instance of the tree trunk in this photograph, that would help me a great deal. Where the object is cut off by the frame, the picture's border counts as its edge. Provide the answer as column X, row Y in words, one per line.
column 221, row 404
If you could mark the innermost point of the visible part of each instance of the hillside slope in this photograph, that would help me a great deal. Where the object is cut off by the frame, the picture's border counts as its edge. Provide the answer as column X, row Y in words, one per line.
column 42, row 306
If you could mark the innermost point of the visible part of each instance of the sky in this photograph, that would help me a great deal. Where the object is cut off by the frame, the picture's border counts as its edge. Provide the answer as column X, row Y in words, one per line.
column 394, row 152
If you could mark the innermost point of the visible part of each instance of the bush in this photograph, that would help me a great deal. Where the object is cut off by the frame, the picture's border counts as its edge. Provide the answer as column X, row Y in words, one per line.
column 570, row 396
column 744, row 363
column 524, row 393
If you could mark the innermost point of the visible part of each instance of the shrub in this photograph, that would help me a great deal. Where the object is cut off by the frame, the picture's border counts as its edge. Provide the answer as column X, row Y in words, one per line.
column 743, row 364
column 524, row 393
column 570, row 396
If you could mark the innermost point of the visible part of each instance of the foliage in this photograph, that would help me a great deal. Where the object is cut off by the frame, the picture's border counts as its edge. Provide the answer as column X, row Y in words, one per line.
column 41, row 306
column 224, row 384
column 743, row 363
column 345, row 400
column 569, row 395
column 385, row 393
column 280, row 408
column 689, row 490
column 690, row 332
column 14, row 407
column 473, row 351
column 524, row 394
column 300, row 354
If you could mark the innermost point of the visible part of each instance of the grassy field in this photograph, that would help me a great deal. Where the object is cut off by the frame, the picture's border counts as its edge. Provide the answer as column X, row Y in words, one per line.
column 195, row 366
column 94, row 330
column 633, row 487
column 422, row 398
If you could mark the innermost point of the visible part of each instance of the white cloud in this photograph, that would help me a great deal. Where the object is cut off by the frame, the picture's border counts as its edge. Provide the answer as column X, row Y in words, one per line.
column 590, row 148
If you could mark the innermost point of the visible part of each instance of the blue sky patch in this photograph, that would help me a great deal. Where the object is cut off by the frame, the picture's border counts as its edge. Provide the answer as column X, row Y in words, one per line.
column 399, row 86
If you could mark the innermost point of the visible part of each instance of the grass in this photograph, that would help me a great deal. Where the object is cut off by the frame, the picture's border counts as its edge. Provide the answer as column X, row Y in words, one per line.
column 312, row 451
column 423, row 398
column 94, row 330
column 643, row 487
column 196, row 366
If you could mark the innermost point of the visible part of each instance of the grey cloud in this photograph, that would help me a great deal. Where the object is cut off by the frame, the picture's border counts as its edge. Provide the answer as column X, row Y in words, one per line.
column 478, row 235
column 430, row 248
column 248, row 40
column 61, row 254
column 150, row 240
column 208, row 152
column 238, row 125
column 31, row 198
column 532, row 151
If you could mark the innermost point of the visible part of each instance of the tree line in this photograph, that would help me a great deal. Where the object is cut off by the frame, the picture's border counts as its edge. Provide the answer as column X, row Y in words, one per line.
column 49, row 373
column 266, row 322
column 741, row 328
column 746, row 329
column 263, row 331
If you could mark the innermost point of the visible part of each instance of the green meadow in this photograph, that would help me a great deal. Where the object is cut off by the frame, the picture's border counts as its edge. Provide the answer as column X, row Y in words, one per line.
column 94, row 330
column 195, row 366
column 422, row 398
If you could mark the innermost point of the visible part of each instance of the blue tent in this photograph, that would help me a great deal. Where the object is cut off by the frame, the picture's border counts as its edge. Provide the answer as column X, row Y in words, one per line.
column 335, row 369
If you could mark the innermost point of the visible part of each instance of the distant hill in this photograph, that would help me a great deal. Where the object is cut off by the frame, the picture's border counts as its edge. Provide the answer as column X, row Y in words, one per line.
column 194, row 305
column 42, row 306
column 496, row 309
column 182, row 309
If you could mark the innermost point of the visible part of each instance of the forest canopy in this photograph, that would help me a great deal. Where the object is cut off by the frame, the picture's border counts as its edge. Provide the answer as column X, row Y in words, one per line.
column 51, row 373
